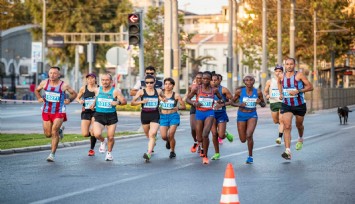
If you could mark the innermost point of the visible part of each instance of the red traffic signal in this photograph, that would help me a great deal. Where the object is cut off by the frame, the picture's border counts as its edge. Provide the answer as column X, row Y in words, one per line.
column 134, row 29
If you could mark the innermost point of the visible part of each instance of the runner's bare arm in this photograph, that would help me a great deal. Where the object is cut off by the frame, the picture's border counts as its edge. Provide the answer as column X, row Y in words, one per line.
column 307, row 84
column 38, row 90
column 266, row 89
column 71, row 91
column 260, row 99
column 182, row 105
column 191, row 95
column 121, row 99
column 228, row 95
column 135, row 98
column 80, row 94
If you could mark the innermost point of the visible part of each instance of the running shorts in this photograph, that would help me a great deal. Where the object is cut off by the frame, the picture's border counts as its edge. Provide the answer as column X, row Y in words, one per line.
column 202, row 115
column 106, row 118
column 150, row 117
column 221, row 117
column 51, row 117
column 275, row 107
column 168, row 120
column 245, row 116
column 295, row 110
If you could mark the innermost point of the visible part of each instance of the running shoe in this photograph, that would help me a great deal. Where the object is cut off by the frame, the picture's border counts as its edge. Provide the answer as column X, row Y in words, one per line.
column 249, row 160
column 299, row 144
column 91, row 152
column 167, row 145
column 201, row 153
column 220, row 141
column 229, row 136
column 205, row 160
column 286, row 155
column 102, row 148
column 108, row 156
column 172, row 155
column 50, row 158
column 278, row 140
column 194, row 147
column 216, row 156
column 61, row 132
column 147, row 156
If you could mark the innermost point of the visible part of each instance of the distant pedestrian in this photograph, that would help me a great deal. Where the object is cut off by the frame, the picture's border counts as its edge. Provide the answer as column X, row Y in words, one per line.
column 86, row 96
column 53, row 110
column 292, row 86
column 150, row 70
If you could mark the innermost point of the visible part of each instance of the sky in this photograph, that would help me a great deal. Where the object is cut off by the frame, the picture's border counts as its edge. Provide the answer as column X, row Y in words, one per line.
column 202, row 6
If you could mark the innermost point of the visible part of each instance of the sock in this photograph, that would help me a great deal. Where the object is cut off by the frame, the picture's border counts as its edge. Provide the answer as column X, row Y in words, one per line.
column 92, row 142
column 280, row 134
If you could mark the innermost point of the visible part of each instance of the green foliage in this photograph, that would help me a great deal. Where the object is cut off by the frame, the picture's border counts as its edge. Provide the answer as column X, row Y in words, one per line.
column 95, row 16
column 330, row 14
column 13, row 14
column 128, row 107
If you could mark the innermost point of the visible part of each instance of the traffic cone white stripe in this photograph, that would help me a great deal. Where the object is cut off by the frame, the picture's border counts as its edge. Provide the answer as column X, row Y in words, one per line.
column 229, row 199
column 229, row 182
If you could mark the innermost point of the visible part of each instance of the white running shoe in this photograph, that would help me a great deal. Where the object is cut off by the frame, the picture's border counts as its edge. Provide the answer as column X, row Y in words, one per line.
column 108, row 156
column 50, row 158
column 278, row 140
column 102, row 148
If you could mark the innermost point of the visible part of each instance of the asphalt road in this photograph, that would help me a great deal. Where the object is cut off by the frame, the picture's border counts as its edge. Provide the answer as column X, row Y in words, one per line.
column 322, row 172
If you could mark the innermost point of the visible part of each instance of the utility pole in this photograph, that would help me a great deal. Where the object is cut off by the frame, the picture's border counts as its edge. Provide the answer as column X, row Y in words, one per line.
column 167, row 39
column 230, row 47
column 141, row 47
column 264, row 46
column 175, row 43
column 292, row 29
column 279, row 33
column 235, row 46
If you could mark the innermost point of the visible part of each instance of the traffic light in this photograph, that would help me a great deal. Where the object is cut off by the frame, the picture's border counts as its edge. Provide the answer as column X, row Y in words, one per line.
column 134, row 29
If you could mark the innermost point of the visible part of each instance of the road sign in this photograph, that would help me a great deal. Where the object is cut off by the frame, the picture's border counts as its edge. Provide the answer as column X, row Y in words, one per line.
column 117, row 55
column 133, row 18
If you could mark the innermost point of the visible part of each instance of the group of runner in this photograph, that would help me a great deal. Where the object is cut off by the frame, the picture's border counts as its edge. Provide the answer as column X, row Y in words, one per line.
column 160, row 105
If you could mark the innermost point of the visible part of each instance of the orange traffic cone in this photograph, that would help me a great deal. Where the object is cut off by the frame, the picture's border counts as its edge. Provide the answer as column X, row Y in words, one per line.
column 229, row 190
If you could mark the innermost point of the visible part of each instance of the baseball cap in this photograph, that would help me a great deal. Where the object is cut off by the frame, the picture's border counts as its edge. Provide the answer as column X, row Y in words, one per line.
column 91, row 74
column 279, row 67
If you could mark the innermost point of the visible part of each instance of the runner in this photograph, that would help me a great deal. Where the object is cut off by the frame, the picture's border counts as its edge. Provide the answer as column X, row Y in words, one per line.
column 221, row 118
column 247, row 116
column 86, row 96
column 204, row 111
column 169, row 117
column 150, row 70
column 53, row 110
column 292, row 86
column 272, row 93
column 106, row 100
column 150, row 113
column 196, row 82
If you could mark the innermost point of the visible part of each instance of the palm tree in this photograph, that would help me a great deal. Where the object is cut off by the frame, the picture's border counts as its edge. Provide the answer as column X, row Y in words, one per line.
column 197, row 62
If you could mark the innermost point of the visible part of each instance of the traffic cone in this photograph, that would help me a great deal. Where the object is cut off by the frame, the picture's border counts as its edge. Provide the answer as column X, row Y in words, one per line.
column 229, row 190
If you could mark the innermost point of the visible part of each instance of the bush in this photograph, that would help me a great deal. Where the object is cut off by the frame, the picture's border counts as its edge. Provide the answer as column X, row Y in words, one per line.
column 128, row 107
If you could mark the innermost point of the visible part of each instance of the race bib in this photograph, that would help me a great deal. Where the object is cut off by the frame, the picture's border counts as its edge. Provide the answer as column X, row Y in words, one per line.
column 287, row 94
column 152, row 103
column 249, row 102
column 170, row 104
column 104, row 103
column 205, row 102
column 274, row 93
column 52, row 96
column 88, row 102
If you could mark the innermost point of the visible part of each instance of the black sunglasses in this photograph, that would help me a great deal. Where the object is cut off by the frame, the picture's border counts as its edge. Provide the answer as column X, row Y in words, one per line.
column 149, row 73
column 149, row 82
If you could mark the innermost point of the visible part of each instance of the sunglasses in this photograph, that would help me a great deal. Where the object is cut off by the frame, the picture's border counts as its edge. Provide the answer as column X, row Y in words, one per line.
column 149, row 73
column 149, row 82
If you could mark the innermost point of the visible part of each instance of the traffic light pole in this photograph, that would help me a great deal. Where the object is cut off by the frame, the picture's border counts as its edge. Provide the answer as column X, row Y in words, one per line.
column 141, row 47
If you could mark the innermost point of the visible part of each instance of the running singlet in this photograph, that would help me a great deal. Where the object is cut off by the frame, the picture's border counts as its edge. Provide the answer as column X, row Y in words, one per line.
column 153, row 101
column 274, row 91
column 89, row 98
column 291, row 84
column 54, row 99
column 169, row 104
column 103, row 102
column 250, row 101
column 205, row 99
column 223, row 108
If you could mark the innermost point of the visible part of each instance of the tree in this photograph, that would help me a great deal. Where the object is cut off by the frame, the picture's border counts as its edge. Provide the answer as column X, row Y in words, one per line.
column 95, row 16
column 197, row 62
column 13, row 14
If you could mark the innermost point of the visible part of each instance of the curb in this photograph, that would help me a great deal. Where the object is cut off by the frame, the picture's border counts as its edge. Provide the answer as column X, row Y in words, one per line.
column 60, row 145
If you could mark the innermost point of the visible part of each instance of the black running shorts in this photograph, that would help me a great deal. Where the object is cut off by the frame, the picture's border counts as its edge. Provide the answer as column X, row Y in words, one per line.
column 295, row 110
column 106, row 118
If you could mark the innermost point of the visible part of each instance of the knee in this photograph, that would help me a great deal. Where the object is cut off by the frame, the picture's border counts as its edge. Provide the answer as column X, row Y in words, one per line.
column 47, row 134
column 287, row 126
column 299, row 125
column 243, row 140
column 110, row 139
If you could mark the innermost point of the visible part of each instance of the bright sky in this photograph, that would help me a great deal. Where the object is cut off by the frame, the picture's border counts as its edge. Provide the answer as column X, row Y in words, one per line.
column 202, row 6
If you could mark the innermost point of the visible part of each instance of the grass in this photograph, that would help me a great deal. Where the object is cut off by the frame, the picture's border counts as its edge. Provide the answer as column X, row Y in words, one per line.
column 9, row 141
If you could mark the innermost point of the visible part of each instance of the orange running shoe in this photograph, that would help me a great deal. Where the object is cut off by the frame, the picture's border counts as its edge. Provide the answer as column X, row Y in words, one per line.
column 91, row 152
column 205, row 160
column 201, row 153
column 194, row 147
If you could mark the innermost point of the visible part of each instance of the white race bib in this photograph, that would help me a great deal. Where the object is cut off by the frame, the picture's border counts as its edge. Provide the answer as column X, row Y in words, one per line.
column 88, row 102
column 205, row 102
column 274, row 93
column 104, row 103
column 249, row 102
column 152, row 103
column 286, row 93
column 170, row 104
column 52, row 96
